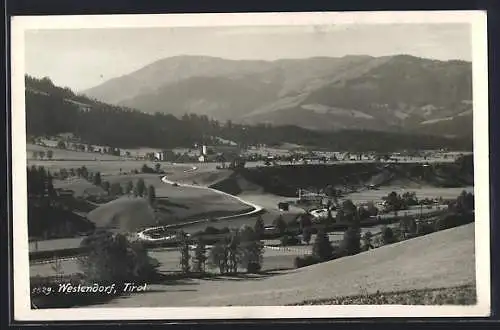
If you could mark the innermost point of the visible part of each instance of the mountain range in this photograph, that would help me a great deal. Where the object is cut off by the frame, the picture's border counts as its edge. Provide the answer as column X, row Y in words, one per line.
column 389, row 93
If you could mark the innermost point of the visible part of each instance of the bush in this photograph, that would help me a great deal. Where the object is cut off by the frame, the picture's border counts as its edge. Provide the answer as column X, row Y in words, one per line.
column 305, row 261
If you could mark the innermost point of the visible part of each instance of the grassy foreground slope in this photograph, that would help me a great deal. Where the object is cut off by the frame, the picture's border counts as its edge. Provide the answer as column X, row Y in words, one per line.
column 442, row 259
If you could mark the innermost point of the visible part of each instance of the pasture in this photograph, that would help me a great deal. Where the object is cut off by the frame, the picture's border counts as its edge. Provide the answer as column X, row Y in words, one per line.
column 442, row 259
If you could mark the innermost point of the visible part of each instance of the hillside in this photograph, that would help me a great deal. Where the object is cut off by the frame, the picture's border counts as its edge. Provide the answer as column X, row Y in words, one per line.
column 52, row 110
column 441, row 259
column 350, row 92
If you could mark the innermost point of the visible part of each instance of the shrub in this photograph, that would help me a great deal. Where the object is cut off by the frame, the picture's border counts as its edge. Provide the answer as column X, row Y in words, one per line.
column 305, row 261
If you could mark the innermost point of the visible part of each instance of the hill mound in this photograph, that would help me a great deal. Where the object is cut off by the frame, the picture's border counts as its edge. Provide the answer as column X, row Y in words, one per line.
column 123, row 215
column 236, row 184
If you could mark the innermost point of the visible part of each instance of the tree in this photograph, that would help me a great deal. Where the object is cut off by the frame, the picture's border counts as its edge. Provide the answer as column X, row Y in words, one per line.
column 218, row 257
column 464, row 202
column 157, row 167
column 387, row 236
column 72, row 172
column 151, row 195
column 140, row 188
column 367, row 241
column 50, row 154
column 363, row 213
column 42, row 154
column 259, row 227
column 393, row 201
column 330, row 191
column 280, row 224
column 233, row 250
column 112, row 258
column 84, row 172
column 329, row 216
column 106, row 186
column 251, row 249
column 50, row 187
column 63, row 173
column 185, row 255
column 409, row 199
column 129, row 187
column 407, row 225
column 61, row 144
column 349, row 209
column 306, row 234
column 305, row 221
column 97, row 179
column 115, row 189
column 322, row 248
column 200, row 256
column 351, row 243
column 372, row 209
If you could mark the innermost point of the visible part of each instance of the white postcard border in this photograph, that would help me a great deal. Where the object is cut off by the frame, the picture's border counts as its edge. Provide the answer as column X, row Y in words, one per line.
column 477, row 19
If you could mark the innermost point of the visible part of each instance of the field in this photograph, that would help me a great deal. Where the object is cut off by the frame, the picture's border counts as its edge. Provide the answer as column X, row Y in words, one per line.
column 442, row 259
column 460, row 295
column 421, row 192
column 274, row 259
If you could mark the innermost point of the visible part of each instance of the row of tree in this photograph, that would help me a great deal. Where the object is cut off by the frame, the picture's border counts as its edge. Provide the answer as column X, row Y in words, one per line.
column 41, row 154
column 242, row 248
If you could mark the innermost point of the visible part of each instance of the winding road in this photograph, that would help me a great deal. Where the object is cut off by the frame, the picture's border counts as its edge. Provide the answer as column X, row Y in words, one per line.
column 256, row 208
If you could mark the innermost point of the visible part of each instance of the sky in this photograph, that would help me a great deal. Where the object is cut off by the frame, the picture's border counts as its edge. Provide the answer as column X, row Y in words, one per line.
column 84, row 58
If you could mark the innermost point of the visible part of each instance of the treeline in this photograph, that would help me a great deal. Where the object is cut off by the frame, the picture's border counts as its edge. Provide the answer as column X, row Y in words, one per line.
column 50, row 215
column 52, row 110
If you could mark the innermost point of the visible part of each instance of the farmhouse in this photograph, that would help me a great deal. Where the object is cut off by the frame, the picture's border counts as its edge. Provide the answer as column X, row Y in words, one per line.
column 164, row 155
